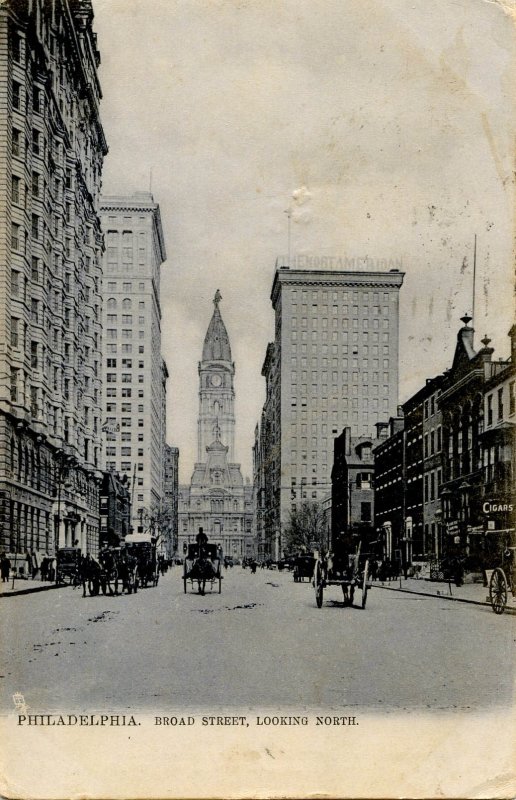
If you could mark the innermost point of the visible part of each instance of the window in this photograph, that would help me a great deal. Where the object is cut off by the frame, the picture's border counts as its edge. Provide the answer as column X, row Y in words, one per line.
column 35, row 142
column 512, row 398
column 15, row 237
column 36, row 99
column 500, row 403
column 34, row 355
column 365, row 512
column 16, row 95
column 489, row 409
column 15, row 283
column 16, row 142
column 16, row 47
column 111, row 363
column 363, row 480
column 34, row 270
column 15, row 189
column 35, row 227
column 14, row 332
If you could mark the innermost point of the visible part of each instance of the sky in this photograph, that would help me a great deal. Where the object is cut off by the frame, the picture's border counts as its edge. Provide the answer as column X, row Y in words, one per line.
column 387, row 128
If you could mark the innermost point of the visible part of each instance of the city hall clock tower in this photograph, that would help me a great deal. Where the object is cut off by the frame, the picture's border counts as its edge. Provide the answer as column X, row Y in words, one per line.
column 216, row 392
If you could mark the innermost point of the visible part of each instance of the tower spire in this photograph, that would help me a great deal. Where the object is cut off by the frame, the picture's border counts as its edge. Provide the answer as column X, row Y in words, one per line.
column 217, row 299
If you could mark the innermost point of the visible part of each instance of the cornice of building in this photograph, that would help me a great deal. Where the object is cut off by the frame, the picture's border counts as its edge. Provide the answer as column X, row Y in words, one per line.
column 459, row 385
column 326, row 278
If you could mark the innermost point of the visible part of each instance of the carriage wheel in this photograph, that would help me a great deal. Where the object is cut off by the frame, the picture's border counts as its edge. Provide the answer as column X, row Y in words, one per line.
column 318, row 583
column 498, row 591
column 364, row 584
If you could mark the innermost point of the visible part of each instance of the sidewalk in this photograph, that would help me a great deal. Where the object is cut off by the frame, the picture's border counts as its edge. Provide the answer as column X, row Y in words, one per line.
column 474, row 593
column 24, row 586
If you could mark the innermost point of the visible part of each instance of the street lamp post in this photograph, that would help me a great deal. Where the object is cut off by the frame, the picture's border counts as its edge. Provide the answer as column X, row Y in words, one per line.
column 64, row 463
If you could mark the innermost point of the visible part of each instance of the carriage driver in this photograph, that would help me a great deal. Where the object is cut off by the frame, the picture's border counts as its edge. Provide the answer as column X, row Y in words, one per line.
column 205, row 567
column 343, row 555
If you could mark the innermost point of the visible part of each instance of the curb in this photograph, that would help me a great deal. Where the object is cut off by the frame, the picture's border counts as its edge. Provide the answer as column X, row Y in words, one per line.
column 508, row 609
column 32, row 590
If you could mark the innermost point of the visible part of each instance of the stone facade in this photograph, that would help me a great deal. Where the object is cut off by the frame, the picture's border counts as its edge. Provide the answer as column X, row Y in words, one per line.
column 51, row 151
column 115, row 509
column 133, row 370
column 171, row 499
column 335, row 365
column 217, row 498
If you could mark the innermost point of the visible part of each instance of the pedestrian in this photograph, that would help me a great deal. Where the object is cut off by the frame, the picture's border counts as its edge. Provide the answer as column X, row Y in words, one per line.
column 44, row 568
column 35, row 565
column 5, row 567
column 458, row 571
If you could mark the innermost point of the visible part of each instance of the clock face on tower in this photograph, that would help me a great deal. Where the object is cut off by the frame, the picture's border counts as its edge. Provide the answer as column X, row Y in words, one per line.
column 215, row 380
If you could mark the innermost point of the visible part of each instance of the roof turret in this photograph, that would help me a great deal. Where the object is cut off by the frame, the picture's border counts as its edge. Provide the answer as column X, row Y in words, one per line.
column 216, row 343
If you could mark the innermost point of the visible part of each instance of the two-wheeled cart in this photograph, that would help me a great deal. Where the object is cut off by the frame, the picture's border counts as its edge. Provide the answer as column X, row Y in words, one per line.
column 350, row 571
column 501, row 553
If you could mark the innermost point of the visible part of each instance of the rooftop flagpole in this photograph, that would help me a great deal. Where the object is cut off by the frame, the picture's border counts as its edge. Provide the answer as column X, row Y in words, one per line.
column 474, row 277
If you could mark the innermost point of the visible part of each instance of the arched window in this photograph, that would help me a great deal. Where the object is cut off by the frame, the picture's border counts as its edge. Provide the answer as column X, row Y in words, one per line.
column 111, row 303
column 126, row 303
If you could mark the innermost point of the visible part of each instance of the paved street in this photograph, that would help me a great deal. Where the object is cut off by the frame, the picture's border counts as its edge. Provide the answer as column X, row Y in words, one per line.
column 261, row 643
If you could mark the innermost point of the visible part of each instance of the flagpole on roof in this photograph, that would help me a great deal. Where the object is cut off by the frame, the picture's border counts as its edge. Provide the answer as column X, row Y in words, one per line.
column 474, row 278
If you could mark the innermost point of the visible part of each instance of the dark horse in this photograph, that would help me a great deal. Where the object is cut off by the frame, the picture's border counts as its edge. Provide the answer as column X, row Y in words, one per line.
column 90, row 573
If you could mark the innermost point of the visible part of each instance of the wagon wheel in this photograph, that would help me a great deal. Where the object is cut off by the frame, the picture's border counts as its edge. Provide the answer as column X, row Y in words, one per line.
column 498, row 591
column 364, row 584
column 318, row 583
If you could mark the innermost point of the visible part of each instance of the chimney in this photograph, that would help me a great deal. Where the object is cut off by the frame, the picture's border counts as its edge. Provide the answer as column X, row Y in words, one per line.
column 466, row 335
column 486, row 351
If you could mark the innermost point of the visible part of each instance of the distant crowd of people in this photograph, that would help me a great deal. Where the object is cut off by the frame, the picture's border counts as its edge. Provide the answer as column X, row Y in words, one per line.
column 32, row 565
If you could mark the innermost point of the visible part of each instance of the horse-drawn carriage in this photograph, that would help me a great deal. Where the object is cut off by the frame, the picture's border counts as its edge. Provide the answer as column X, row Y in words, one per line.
column 142, row 548
column 303, row 568
column 202, row 564
column 68, row 562
column 344, row 568
column 500, row 547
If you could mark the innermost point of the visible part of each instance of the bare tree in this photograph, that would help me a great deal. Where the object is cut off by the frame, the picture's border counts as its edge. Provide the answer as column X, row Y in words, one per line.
column 306, row 527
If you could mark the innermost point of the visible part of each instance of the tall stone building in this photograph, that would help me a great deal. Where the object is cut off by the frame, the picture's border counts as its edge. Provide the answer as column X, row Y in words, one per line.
column 52, row 147
column 334, row 365
column 133, row 370
column 217, row 498
column 171, row 499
